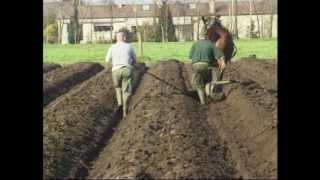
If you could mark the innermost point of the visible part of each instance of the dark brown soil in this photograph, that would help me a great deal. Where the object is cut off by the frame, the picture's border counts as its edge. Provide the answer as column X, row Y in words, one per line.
column 166, row 134
column 262, row 72
column 75, row 124
column 247, row 120
column 61, row 80
column 50, row 67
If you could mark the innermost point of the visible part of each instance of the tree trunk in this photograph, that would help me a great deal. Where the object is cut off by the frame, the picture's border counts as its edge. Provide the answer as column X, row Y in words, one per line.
column 75, row 19
column 59, row 31
column 262, row 26
column 230, row 17
column 184, row 28
column 91, row 26
column 250, row 9
column 259, row 29
column 155, row 15
column 166, row 22
column 271, row 26
column 271, row 19
column 198, row 19
column 162, row 33
column 140, row 43
column 235, row 10
column 111, row 8
column 258, row 22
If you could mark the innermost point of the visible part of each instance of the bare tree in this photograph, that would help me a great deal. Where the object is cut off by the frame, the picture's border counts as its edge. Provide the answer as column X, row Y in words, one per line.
column 230, row 16
column 257, row 15
column 262, row 27
column 271, row 17
column 166, row 19
column 154, row 16
column 250, row 9
column 111, row 11
column 235, row 14
column 76, row 20
column 160, row 4
column 62, row 14
column 135, row 9
column 181, row 14
column 198, row 18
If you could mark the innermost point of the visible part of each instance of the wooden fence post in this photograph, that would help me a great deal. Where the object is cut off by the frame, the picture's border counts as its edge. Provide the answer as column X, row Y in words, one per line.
column 140, row 43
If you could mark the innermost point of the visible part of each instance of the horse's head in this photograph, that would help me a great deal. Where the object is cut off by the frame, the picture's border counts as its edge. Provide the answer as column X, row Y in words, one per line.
column 221, row 37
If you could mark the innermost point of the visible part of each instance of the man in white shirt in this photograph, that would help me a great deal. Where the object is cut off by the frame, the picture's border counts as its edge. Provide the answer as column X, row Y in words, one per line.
column 122, row 57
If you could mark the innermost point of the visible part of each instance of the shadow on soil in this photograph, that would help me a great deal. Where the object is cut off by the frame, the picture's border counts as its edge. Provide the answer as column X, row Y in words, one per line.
column 192, row 94
column 116, row 118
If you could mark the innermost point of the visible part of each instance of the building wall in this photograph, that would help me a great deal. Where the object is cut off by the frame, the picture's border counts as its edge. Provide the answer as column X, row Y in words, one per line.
column 65, row 39
column 192, row 27
column 244, row 24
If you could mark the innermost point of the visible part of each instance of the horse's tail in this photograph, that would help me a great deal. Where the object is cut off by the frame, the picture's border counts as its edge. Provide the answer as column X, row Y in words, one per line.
column 231, row 49
column 235, row 50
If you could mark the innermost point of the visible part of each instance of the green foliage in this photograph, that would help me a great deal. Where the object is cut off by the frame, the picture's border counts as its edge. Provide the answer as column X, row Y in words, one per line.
column 51, row 33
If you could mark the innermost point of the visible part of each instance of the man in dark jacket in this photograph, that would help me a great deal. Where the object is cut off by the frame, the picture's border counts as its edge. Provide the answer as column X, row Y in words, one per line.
column 205, row 56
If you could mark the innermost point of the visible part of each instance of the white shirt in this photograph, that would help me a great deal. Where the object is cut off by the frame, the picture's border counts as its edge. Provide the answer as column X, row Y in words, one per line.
column 121, row 54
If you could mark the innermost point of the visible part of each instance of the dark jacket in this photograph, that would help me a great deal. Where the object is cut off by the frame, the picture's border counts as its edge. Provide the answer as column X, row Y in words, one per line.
column 204, row 51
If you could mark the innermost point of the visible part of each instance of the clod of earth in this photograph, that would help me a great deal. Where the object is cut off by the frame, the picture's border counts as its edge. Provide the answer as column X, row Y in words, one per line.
column 50, row 67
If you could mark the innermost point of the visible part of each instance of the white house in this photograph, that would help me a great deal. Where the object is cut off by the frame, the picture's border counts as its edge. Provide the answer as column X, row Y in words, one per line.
column 100, row 22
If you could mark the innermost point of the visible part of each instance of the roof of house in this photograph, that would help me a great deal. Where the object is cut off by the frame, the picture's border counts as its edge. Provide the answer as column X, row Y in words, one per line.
column 177, row 9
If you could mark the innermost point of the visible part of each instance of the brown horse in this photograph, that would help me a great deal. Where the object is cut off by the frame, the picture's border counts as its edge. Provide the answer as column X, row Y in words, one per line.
column 222, row 38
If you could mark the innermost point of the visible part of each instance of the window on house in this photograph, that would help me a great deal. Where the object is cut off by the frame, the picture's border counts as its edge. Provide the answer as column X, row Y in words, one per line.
column 146, row 7
column 192, row 6
column 102, row 28
column 134, row 29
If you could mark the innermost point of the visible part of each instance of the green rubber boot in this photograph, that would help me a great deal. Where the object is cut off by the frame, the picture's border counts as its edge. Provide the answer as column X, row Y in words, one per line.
column 119, row 96
column 201, row 95
column 125, row 105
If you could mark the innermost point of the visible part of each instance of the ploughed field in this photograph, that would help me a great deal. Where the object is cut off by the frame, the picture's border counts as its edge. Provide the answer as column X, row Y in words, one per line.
column 167, row 134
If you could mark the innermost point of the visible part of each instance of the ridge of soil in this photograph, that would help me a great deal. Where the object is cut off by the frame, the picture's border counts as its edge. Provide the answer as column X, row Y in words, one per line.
column 76, row 123
column 246, row 120
column 49, row 67
column 261, row 71
column 61, row 80
column 166, row 134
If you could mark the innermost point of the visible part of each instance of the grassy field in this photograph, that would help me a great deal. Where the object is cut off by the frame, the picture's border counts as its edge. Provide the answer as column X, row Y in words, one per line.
column 67, row 54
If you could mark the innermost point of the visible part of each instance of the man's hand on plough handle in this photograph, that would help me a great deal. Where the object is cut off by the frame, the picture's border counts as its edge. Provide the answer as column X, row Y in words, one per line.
column 222, row 64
